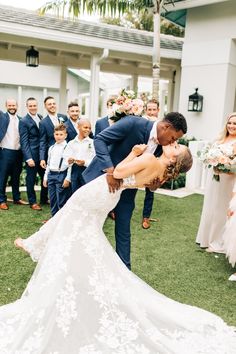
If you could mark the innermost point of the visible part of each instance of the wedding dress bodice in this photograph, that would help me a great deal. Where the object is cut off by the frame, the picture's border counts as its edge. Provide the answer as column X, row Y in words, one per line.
column 82, row 299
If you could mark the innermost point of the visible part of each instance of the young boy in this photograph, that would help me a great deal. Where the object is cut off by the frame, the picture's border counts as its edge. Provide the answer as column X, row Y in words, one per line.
column 57, row 174
column 80, row 152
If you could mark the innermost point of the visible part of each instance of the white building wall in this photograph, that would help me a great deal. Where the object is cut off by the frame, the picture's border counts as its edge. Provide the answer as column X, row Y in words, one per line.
column 209, row 63
column 20, row 82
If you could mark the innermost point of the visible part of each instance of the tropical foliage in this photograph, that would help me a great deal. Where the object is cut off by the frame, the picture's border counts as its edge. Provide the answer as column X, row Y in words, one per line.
column 114, row 8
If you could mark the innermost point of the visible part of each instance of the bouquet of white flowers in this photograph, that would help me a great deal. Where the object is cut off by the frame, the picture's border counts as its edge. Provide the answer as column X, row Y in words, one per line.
column 223, row 160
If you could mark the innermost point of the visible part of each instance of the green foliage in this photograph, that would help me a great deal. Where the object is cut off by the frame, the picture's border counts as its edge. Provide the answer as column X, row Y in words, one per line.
column 165, row 256
column 143, row 21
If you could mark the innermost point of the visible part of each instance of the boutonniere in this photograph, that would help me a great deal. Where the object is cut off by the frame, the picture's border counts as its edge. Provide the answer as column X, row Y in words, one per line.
column 61, row 119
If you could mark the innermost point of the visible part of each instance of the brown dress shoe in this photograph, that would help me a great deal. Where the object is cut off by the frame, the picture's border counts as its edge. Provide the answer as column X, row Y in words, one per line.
column 112, row 215
column 4, row 206
column 146, row 223
column 20, row 202
column 35, row 206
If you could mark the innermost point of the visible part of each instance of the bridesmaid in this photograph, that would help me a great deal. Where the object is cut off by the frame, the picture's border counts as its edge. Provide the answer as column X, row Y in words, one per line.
column 217, row 195
column 229, row 235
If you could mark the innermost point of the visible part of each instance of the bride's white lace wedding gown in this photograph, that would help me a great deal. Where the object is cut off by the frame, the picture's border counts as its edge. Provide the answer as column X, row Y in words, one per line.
column 82, row 299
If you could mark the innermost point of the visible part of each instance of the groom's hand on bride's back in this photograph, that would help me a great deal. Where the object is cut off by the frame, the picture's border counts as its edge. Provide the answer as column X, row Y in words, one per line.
column 113, row 183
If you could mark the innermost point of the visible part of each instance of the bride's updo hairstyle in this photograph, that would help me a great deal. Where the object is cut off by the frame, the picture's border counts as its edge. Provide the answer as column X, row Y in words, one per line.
column 183, row 164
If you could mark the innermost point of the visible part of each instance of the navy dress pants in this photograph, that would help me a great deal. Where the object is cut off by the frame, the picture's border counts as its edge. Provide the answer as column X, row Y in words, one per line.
column 123, row 212
column 31, row 173
column 57, row 194
column 10, row 166
column 148, row 203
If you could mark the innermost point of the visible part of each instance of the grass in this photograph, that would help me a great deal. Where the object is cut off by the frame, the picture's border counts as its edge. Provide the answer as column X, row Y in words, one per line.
column 165, row 256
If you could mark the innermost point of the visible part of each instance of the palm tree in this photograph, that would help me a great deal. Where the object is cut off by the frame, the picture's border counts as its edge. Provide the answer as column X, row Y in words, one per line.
column 74, row 8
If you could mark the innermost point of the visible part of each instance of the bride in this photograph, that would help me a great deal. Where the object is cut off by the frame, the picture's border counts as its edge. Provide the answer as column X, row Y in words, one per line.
column 82, row 299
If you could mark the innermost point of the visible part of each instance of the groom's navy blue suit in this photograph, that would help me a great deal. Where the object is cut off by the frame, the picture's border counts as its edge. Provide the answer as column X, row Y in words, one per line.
column 112, row 145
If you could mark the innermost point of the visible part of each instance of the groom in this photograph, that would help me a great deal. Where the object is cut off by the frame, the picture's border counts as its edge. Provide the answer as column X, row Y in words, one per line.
column 112, row 145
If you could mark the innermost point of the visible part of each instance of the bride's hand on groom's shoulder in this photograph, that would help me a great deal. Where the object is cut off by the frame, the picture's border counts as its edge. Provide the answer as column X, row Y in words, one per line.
column 139, row 149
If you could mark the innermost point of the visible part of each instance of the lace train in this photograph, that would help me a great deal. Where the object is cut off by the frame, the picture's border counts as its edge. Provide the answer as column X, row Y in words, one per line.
column 82, row 299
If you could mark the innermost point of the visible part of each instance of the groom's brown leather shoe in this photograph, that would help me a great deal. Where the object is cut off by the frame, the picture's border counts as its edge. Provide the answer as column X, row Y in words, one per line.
column 146, row 223
column 4, row 206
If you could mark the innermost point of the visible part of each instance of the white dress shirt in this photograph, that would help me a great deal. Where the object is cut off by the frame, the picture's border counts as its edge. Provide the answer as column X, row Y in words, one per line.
column 152, row 141
column 35, row 118
column 11, row 139
column 54, row 119
column 80, row 150
column 55, row 154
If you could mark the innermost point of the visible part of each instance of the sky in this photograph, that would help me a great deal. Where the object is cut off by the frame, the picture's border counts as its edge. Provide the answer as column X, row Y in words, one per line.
column 25, row 4
column 35, row 5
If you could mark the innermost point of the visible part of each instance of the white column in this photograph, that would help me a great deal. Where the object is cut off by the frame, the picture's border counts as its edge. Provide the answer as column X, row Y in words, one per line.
column 134, row 82
column 63, row 92
column 94, row 90
column 94, row 85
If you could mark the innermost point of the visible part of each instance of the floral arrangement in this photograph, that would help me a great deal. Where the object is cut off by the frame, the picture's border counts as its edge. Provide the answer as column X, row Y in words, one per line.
column 222, row 160
column 126, row 104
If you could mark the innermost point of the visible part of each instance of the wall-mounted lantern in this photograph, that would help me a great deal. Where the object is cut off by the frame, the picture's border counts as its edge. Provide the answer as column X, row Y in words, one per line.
column 195, row 102
column 32, row 57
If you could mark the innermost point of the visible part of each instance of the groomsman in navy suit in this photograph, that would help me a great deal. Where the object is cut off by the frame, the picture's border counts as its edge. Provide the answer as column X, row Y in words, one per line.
column 46, row 128
column 104, row 122
column 29, row 140
column 151, row 113
column 72, row 123
column 112, row 145
column 10, row 154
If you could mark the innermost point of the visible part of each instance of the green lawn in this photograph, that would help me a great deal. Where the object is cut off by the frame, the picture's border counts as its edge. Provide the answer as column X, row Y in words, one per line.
column 165, row 256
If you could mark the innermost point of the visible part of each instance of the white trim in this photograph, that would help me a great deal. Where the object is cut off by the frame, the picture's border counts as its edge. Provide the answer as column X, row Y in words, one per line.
column 187, row 4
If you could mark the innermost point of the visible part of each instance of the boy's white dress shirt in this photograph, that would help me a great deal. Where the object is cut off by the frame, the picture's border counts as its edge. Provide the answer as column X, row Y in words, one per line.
column 55, row 153
column 80, row 150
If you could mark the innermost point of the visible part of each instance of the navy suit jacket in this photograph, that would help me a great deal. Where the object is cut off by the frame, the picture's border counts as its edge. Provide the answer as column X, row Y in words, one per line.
column 29, row 137
column 113, row 144
column 101, row 124
column 71, row 132
column 46, row 134
column 4, row 122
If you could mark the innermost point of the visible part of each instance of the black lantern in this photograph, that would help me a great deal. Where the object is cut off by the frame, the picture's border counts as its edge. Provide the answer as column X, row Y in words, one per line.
column 32, row 57
column 195, row 102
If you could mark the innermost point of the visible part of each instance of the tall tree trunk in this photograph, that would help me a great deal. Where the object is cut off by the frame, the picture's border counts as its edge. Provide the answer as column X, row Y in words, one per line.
column 156, row 56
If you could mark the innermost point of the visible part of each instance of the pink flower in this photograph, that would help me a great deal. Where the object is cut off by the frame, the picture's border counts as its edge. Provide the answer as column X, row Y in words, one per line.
column 223, row 160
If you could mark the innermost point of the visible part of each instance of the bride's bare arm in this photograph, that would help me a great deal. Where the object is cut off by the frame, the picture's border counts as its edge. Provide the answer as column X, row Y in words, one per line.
column 132, row 164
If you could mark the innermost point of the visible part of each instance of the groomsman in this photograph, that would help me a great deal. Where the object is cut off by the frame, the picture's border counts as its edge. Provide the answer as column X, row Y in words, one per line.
column 72, row 123
column 104, row 122
column 10, row 154
column 29, row 140
column 151, row 113
column 46, row 128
